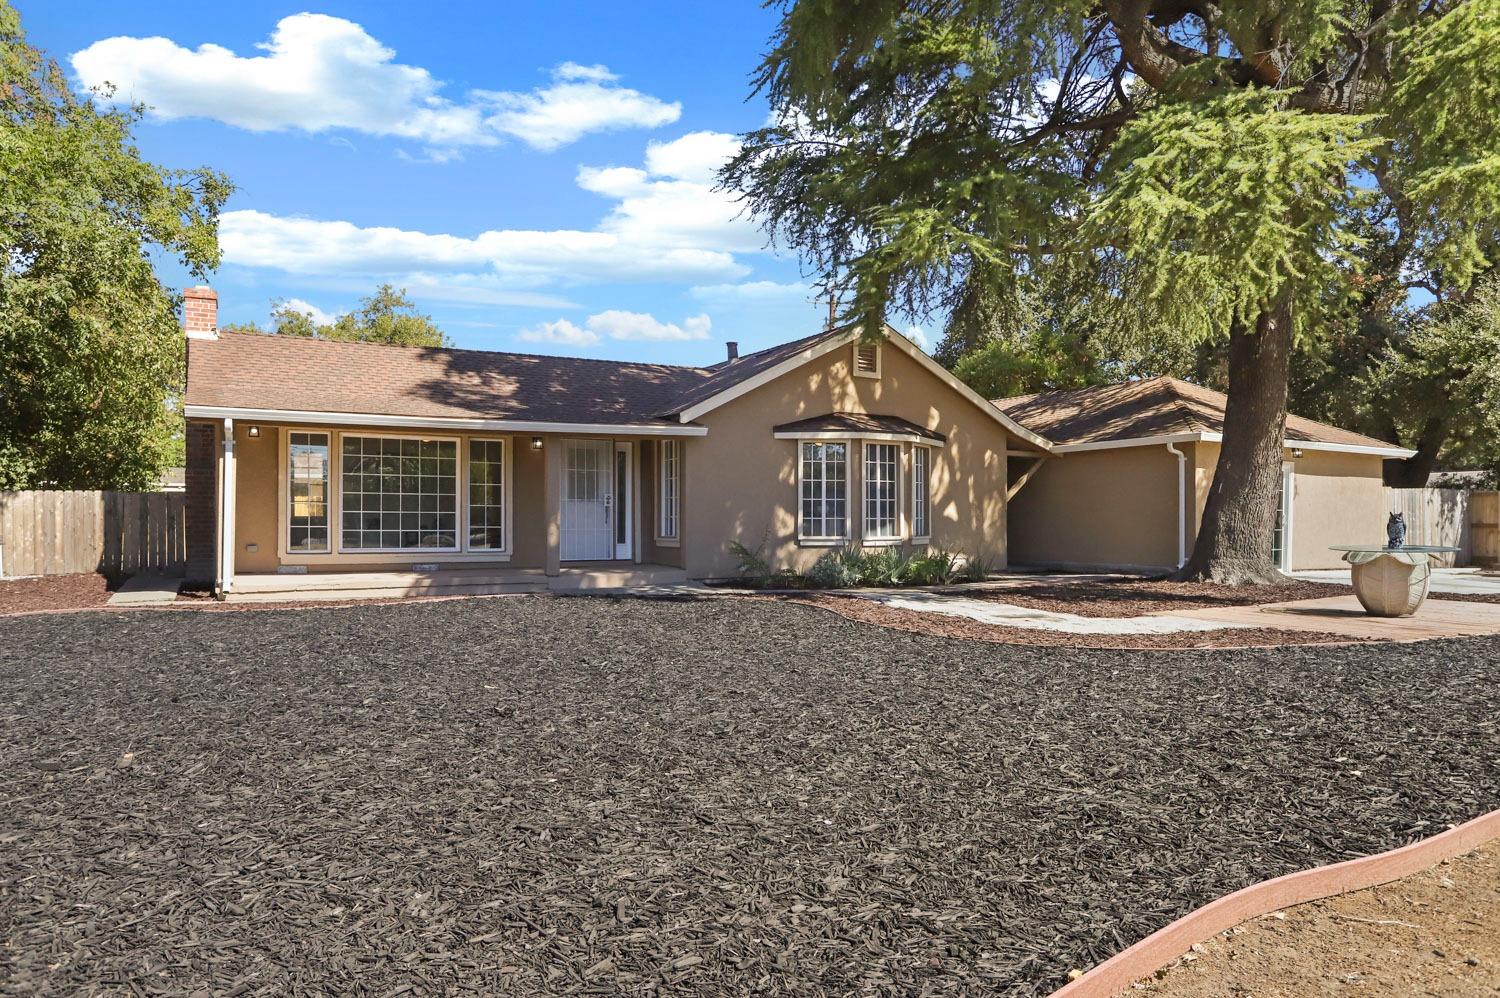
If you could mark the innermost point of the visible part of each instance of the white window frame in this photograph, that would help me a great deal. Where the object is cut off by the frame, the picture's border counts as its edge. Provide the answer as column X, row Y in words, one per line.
column 284, row 494
column 817, row 540
column 460, row 496
column 507, row 465
column 926, row 454
column 854, row 360
column 669, row 513
column 866, row 537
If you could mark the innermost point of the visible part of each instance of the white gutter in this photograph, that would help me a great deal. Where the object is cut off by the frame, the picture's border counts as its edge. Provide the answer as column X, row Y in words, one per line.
column 1181, row 503
column 439, row 422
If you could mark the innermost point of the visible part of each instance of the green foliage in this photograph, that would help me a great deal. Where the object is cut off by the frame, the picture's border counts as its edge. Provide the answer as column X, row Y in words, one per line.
column 387, row 316
column 841, row 568
column 934, row 568
column 1212, row 209
column 750, row 563
column 90, row 344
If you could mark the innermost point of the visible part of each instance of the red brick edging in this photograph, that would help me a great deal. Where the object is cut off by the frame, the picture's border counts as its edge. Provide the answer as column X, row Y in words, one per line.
column 1166, row 944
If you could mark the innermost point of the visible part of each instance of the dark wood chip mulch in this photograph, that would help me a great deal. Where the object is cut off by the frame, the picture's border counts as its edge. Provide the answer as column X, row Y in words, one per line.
column 540, row 795
column 55, row 592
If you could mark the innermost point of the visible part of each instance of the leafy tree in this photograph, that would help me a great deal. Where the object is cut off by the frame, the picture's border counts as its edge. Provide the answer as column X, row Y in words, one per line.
column 1210, row 160
column 387, row 316
column 90, row 345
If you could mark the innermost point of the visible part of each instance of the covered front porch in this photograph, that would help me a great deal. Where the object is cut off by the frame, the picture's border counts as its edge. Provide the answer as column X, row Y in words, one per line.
column 309, row 511
column 280, row 587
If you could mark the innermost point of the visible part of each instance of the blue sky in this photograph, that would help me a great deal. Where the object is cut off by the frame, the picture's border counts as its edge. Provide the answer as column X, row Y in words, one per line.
column 537, row 176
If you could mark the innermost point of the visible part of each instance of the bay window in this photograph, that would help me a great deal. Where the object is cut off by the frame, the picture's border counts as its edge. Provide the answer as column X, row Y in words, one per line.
column 824, row 491
column 670, row 492
column 921, row 478
column 881, row 492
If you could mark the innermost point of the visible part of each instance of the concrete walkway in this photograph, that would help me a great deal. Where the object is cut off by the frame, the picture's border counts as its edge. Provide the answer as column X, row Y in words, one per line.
column 1009, row 615
column 1444, row 580
column 1340, row 615
column 146, row 590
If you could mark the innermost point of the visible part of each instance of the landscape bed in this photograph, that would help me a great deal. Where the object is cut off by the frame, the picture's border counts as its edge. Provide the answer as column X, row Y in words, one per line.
column 536, row 794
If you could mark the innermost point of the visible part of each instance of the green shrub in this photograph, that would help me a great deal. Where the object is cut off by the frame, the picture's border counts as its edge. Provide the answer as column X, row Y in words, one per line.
column 843, row 568
column 933, row 568
column 975, row 569
column 750, row 564
column 887, row 567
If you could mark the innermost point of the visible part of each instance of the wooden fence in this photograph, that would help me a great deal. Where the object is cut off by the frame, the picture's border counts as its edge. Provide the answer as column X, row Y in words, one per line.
column 57, row 533
column 1484, row 528
column 1435, row 516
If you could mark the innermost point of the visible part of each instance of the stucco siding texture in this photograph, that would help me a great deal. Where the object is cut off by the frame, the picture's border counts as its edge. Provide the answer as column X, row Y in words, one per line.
column 740, row 483
column 1338, row 499
column 1112, row 509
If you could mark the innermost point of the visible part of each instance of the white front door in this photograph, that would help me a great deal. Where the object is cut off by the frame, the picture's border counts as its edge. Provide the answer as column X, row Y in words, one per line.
column 588, row 500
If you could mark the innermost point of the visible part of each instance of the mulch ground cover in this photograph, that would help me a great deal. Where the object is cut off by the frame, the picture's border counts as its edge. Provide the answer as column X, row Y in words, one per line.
column 54, row 592
column 945, row 625
column 543, row 795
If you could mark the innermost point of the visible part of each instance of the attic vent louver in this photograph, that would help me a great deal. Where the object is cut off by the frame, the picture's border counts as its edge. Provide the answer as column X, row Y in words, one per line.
column 867, row 360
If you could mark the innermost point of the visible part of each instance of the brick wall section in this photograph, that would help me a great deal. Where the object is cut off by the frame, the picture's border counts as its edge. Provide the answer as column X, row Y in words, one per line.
column 202, row 481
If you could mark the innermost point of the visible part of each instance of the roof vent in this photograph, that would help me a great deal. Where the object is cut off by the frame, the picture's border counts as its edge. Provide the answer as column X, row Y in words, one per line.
column 734, row 350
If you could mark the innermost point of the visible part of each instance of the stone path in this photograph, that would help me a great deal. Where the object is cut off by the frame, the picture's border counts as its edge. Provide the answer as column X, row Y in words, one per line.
column 146, row 590
column 1007, row 615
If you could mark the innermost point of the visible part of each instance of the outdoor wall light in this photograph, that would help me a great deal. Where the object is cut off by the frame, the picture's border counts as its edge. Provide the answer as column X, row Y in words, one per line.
column 536, row 443
column 1296, row 452
column 254, row 431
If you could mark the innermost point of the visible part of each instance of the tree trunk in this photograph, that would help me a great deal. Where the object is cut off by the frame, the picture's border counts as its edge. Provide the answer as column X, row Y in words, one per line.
column 1239, row 521
column 1413, row 472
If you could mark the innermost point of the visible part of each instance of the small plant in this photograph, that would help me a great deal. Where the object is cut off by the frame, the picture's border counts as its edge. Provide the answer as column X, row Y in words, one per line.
column 840, row 569
column 886, row 567
column 933, row 568
column 750, row 563
column 975, row 569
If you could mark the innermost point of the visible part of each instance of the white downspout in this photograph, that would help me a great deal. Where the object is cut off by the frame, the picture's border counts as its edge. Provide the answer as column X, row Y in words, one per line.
column 1181, row 504
column 226, row 514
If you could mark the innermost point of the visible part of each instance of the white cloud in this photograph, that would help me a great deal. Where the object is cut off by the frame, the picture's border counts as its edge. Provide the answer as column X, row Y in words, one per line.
column 559, row 333
column 620, row 325
column 320, row 72
column 318, row 316
column 617, row 325
column 758, row 291
column 696, row 156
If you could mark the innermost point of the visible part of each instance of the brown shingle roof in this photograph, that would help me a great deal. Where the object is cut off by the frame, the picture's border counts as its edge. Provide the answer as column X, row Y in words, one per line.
column 858, row 422
column 248, row 370
column 1149, row 408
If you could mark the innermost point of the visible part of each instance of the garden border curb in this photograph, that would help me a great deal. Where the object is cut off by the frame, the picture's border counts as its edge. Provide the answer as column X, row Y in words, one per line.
column 1166, row 944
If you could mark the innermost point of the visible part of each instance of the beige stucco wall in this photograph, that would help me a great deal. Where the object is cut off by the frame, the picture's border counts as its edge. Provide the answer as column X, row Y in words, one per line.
column 1099, row 509
column 1336, row 499
column 740, row 482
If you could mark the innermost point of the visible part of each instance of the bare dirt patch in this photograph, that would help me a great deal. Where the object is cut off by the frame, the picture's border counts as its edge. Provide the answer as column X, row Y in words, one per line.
column 55, row 592
column 1435, row 933
column 1136, row 597
column 949, row 626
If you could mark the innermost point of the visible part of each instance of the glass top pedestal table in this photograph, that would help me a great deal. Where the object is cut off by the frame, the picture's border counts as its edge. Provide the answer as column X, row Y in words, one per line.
column 1390, row 581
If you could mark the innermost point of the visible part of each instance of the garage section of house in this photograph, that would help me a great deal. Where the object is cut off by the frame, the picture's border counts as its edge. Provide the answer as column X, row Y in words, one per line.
column 1131, row 468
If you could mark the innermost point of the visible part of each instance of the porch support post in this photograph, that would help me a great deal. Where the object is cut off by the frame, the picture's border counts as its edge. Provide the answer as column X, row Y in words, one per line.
column 226, row 513
column 552, row 462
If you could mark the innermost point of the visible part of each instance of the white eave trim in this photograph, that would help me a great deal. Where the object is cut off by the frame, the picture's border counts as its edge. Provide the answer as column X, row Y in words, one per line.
column 442, row 422
column 915, row 438
column 1218, row 438
column 843, row 338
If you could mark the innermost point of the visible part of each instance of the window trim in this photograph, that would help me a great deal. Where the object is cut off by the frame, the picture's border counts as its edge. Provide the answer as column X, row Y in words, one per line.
column 337, row 554
column 284, row 496
column 812, row 540
column 507, row 490
column 927, row 452
column 864, row 487
column 673, row 539
column 854, row 360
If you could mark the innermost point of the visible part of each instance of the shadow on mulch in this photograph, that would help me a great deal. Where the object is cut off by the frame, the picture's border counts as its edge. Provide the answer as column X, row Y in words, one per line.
column 545, row 796
column 57, row 592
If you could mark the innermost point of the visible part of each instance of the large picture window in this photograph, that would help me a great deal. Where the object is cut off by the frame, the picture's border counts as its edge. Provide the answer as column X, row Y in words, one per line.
column 307, row 488
column 824, row 501
column 487, row 494
column 671, row 488
column 921, row 479
column 399, row 493
column 882, row 521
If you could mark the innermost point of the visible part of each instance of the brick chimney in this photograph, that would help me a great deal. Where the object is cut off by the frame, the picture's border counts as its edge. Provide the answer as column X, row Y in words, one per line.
column 200, row 313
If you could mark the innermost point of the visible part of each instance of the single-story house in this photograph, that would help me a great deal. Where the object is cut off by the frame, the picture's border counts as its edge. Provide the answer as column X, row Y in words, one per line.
column 1132, row 468
column 312, row 456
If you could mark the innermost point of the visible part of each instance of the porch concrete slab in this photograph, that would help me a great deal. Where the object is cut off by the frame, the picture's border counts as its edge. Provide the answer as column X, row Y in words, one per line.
column 1007, row 615
column 1444, row 580
column 1343, row 615
column 147, row 590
